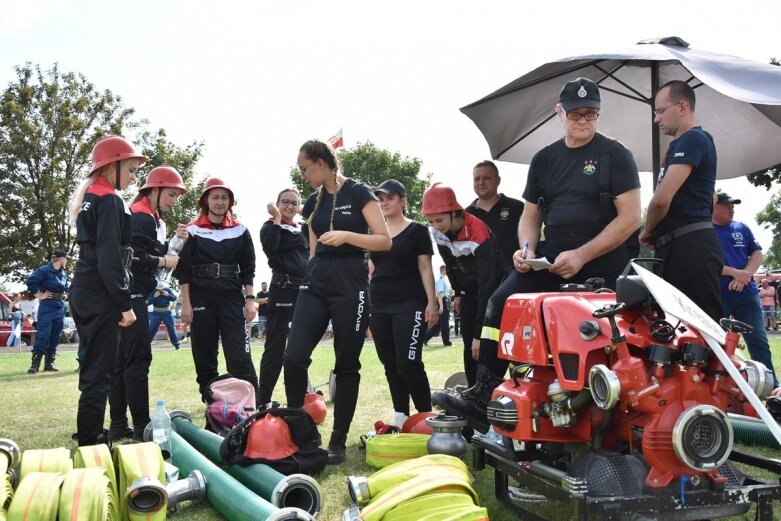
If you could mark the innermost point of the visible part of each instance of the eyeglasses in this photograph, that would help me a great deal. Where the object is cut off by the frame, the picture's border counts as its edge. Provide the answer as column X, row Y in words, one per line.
column 659, row 112
column 588, row 116
column 288, row 202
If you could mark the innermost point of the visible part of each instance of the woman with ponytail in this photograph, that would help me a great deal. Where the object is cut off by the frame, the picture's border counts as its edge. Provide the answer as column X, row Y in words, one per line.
column 344, row 214
column 100, row 292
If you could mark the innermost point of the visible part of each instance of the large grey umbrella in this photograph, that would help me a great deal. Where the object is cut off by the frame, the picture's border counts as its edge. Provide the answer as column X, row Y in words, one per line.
column 738, row 102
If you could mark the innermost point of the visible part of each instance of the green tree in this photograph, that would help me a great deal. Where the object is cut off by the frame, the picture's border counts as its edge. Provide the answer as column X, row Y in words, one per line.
column 367, row 163
column 49, row 122
column 160, row 151
column 770, row 217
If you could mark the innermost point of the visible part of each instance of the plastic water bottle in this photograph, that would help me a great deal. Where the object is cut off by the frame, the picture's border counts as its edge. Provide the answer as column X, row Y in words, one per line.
column 494, row 436
column 161, row 430
column 175, row 246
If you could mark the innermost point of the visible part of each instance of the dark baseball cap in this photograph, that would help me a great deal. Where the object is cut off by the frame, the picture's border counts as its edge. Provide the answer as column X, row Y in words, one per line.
column 724, row 198
column 58, row 254
column 579, row 93
column 391, row 187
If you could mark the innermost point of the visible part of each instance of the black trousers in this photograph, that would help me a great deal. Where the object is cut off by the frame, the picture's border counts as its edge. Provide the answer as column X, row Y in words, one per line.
column 96, row 317
column 468, row 317
column 219, row 315
column 442, row 327
column 281, row 303
column 397, row 331
column 337, row 292
column 692, row 263
column 131, row 374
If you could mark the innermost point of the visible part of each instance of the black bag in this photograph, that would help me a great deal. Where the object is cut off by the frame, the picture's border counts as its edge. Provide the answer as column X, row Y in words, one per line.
column 310, row 459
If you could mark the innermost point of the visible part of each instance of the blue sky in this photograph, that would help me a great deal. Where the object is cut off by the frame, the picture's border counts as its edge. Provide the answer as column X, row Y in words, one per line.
column 254, row 80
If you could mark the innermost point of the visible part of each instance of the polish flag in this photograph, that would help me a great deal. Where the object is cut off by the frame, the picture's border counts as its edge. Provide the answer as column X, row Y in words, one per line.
column 336, row 141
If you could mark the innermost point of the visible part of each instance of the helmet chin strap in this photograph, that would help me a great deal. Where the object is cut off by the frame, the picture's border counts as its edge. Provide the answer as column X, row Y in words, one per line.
column 119, row 174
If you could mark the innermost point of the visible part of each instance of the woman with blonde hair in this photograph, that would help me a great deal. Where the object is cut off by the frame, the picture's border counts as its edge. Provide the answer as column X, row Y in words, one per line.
column 337, row 273
column 100, row 292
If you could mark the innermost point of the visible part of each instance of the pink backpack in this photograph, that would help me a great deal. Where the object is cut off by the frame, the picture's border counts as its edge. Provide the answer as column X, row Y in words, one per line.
column 230, row 400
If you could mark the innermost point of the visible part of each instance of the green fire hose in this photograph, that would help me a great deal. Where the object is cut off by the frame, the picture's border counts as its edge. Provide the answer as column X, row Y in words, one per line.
column 232, row 499
column 297, row 490
column 752, row 431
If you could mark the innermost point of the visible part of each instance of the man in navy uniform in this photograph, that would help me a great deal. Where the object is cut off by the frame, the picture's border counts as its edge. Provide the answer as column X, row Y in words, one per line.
column 49, row 284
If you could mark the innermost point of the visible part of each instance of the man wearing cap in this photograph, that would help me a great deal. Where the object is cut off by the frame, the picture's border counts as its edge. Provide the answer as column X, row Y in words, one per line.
column 584, row 190
column 160, row 300
column 499, row 212
column 49, row 284
column 678, row 221
column 739, row 294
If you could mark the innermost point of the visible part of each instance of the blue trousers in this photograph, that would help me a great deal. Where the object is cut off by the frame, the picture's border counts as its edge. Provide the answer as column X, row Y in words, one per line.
column 747, row 309
column 155, row 318
column 49, row 325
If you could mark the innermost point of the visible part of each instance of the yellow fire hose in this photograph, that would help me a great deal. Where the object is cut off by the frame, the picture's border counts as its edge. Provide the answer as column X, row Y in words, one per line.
column 438, row 507
column 37, row 498
column 97, row 456
column 6, row 488
column 45, row 460
column 87, row 495
column 363, row 489
column 141, row 474
column 387, row 449
column 420, row 485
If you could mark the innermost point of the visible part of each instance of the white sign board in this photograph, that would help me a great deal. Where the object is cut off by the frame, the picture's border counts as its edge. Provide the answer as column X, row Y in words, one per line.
column 678, row 305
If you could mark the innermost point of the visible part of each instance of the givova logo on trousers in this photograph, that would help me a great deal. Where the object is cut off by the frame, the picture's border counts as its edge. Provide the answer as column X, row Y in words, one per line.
column 361, row 300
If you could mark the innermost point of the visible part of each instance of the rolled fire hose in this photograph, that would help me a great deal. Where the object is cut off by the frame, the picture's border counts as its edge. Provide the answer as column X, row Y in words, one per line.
column 363, row 489
column 97, row 456
column 141, row 477
column 296, row 490
column 387, row 449
column 752, row 431
column 437, row 504
column 37, row 498
column 420, row 485
column 88, row 495
column 232, row 499
column 45, row 460
column 9, row 459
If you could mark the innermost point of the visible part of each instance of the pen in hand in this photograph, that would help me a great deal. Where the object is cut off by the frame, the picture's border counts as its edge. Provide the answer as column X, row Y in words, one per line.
column 525, row 250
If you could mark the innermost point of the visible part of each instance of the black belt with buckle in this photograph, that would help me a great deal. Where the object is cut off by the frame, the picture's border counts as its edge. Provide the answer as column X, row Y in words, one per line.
column 683, row 230
column 215, row 270
column 284, row 280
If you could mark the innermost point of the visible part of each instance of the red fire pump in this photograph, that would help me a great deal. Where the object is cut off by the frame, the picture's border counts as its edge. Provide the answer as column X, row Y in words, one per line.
column 618, row 410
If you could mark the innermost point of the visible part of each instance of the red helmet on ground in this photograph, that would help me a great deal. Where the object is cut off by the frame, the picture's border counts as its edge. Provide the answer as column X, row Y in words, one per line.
column 111, row 149
column 439, row 199
column 269, row 438
column 164, row 176
column 417, row 423
column 214, row 182
column 314, row 406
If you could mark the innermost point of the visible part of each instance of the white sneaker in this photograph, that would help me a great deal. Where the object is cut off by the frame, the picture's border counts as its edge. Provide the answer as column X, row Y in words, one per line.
column 398, row 419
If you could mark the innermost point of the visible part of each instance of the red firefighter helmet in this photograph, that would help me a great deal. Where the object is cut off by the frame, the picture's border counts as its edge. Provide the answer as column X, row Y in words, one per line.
column 439, row 199
column 214, row 182
column 111, row 149
column 269, row 438
column 314, row 406
column 417, row 423
column 164, row 176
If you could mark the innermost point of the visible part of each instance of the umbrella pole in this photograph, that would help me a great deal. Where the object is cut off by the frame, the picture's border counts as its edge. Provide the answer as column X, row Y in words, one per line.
column 655, row 141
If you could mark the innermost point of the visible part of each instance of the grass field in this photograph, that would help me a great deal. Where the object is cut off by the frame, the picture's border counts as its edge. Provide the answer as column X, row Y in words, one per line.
column 39, row 411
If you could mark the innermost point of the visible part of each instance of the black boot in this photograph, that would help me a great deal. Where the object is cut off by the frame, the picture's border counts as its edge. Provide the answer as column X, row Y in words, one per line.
column 119, row 431
column 49, row 365
column 471, row 403
column 337, row 449
column 36, row 363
